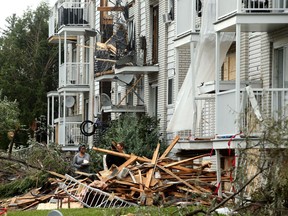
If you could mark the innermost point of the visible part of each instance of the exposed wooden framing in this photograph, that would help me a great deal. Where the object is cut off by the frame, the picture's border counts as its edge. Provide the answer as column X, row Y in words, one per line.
column 104, row 73
column 127, row 93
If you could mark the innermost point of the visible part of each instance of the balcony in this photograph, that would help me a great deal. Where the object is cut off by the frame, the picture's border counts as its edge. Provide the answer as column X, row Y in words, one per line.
column 73, row 74
column 69, row 134
column 265, row 104
column 188, row 21
column 74, row 17
column 253, row 15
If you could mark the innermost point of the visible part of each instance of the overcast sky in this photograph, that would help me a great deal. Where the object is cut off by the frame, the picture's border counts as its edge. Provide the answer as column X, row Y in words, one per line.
column 17, row 6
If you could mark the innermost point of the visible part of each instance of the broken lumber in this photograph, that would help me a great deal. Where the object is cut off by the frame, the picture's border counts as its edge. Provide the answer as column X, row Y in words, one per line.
column 151, row 170
column 166, row 152
column 186, row 160
column 127, row 156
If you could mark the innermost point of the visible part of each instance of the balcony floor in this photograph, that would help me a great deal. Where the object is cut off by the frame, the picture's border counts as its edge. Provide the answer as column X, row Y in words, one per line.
column 252, row 22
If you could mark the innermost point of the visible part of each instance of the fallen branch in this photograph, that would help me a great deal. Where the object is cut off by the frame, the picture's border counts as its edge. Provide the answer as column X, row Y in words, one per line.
column 236, row 193
column 32, row 166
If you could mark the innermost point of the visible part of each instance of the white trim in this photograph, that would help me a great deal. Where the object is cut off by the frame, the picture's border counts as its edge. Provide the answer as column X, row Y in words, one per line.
column 280, row 43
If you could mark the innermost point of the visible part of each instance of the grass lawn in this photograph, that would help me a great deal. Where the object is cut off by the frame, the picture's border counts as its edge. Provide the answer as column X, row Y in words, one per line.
column 140, row 211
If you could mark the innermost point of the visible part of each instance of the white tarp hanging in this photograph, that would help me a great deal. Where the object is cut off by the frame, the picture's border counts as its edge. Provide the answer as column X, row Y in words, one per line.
column 184, row 116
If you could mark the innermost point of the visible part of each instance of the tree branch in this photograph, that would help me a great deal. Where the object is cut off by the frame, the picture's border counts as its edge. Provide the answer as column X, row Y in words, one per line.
column 233, row 195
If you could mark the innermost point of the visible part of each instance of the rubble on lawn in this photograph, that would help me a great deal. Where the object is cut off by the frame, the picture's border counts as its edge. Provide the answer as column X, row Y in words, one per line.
column 139, row 181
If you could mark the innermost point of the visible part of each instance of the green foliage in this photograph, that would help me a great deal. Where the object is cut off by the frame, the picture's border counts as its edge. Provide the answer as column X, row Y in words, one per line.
column 28, row 63
column 37, row 155
column 9, row 114
column 140, row 134
column 267, row 155
column 18, row 186
column 9, row 119
column 48, row 158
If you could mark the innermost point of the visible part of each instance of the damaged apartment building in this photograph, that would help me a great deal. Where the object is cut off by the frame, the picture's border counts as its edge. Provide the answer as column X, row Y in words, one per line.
column 210, row 71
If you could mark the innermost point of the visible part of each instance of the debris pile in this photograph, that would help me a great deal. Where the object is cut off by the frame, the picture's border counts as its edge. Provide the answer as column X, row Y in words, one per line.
column 139, row 181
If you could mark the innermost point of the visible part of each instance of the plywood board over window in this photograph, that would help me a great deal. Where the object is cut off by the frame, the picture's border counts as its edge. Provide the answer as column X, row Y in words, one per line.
column 229, row 65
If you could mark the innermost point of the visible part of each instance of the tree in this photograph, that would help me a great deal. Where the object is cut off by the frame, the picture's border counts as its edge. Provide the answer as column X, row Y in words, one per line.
column 9, row 120
column 28, row 63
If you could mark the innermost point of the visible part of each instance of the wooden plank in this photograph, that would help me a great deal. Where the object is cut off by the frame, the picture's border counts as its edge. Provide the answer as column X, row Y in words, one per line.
column 140, row 180
column 186, row 160
column 112, row 48
column 57, row 174
column 166, row 152
column 131, row 160
column 150, row 172
column 110, row 8
column 127, row 156
column 182, row 168
column 38, row 200
column 106, row 60
column 175, row 176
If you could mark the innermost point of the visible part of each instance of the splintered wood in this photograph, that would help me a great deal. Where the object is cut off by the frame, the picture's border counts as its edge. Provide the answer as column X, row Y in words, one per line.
column 141, row 181
column 159, row 180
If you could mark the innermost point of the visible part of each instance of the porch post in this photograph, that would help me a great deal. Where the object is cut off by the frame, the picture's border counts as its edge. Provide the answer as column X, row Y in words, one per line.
column 238, row 71
column 218, row 168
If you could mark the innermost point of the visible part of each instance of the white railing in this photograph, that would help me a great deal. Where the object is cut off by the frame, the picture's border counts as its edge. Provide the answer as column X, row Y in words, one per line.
column 187, row 16
column 272, row 103
column 73, row 74
column 70, row 134
column 69, row 14
column 250, row 6
column 73, row 14
column 206, row 123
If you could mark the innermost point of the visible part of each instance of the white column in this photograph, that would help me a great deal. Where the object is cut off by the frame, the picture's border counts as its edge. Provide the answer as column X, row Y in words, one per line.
column 217, row 70
column 238, row 70
column 218, row 169
column 92, row 87
column 52, row 118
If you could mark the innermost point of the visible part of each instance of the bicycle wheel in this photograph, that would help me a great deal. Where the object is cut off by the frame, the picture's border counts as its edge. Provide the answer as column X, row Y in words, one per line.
column 87, row 128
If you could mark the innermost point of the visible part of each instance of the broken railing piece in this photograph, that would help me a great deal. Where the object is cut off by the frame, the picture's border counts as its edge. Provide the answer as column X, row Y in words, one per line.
column 92, row 197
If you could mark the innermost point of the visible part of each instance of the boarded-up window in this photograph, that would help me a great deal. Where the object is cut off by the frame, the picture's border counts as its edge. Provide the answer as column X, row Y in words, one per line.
column 229, row 65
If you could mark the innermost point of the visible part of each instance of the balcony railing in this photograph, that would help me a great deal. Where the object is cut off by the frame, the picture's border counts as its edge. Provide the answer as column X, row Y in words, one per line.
column 69, row 14
column 74, row 74
column 70, row 134
column 188, row 16
column 206, row 123
column 271, row 103
column 250, row 6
